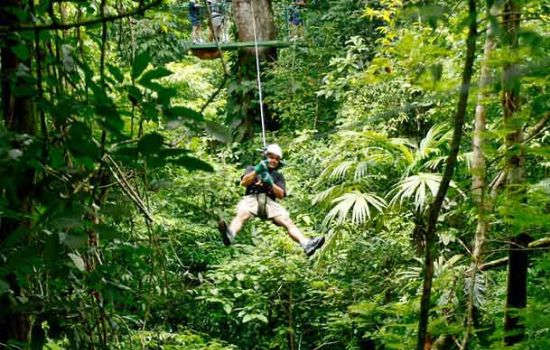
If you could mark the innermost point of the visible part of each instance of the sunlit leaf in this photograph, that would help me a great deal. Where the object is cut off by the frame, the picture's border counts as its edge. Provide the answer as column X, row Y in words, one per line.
column 78, row 261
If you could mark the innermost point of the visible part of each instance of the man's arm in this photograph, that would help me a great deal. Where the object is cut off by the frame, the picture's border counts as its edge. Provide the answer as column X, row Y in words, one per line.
column 279, row 192
column 248, row 179
column 250, row 176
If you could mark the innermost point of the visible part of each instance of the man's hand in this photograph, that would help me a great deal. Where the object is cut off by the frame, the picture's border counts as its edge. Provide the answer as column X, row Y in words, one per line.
column 261, row 167
column 266, row 179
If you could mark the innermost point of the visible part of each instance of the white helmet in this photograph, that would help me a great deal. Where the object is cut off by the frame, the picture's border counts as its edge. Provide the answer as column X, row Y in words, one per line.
column 275, row 150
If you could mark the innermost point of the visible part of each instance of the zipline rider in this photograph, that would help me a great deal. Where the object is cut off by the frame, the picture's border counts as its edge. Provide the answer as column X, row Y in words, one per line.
column 264, row 184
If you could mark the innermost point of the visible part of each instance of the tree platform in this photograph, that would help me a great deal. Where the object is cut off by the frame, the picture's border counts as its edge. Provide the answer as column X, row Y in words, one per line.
column 238, row 45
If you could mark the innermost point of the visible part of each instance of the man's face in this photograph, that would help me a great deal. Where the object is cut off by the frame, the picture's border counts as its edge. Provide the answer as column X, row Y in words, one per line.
column 273, row 160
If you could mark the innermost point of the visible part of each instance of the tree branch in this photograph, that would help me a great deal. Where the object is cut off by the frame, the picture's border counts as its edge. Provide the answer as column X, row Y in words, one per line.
column 104, row 19
column 537, row 128
column 127, row 188
column 539, row 243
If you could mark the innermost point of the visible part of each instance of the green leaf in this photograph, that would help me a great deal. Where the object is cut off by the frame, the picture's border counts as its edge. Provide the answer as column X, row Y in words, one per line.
column 262, row 318
column 156, row 73
column 134, row 94
column 73, row 241
column 179, row 115
column 21, row 51
column 218, row 131
column 150, row 143
column 116, row 73
column 4, row 287
column 151, row 85
column 140, row 63
column 78, row 262
column 191, row 163
column 248, row 317
column 80, row 141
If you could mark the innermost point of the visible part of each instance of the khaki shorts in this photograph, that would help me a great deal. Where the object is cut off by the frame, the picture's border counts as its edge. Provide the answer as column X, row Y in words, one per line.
column 249, row 204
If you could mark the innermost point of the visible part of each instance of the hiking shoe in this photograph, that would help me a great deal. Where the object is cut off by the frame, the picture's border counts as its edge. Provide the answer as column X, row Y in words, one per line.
column 224, row 232
column 313, row 244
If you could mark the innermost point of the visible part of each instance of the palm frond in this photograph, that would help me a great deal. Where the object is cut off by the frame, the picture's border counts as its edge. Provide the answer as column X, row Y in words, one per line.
column 339, row 172
column 417, row 187
column 323, row 195
column 404, row 146
column 544, row 185
column 434, row 163
column 431, row 142
column 441, row 265
column 360, row 205
column 361, row 170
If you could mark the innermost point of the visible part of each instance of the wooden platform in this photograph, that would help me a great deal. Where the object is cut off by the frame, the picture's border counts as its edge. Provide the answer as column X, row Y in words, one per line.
column 238, row 45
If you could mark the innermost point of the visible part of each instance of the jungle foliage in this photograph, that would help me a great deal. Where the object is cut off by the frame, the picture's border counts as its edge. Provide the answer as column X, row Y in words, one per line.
column 119, row 151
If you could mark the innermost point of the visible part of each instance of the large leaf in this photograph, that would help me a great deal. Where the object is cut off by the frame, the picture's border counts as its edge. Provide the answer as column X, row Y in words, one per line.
column 4, row 287
column 140, row 63
column 421, row 188
column 192, row 163
column 360, row 205
column 218, row 131
column 339, row 172
column 80, row 141
column 78, row 261
column 116, row 73
column 179, row 115
column 150, row 143
column 156, row 73
column 134, row 94
column 323, row 195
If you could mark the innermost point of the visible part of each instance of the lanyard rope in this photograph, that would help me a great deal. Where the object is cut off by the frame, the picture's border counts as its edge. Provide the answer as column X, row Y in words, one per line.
column 258, row 73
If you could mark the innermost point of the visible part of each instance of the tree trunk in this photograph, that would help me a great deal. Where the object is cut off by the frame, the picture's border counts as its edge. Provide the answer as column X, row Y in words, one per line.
column 18, row 117
column 479, row 185
column 243, row 109
column 518, row 259
column 262, row 11
column 435, row 207
column 516, row 293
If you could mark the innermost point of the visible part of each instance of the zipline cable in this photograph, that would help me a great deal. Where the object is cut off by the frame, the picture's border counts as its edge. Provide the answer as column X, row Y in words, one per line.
column 258, row 73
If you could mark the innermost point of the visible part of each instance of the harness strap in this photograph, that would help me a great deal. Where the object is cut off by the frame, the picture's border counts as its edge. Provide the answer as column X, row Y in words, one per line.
column 262, row 205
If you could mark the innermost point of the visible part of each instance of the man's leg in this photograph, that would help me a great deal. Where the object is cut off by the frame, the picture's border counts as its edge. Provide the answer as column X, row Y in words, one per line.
column 247, row 207
column 292, row 229
column 196, row 34
column 238, row 221
column 310, row 245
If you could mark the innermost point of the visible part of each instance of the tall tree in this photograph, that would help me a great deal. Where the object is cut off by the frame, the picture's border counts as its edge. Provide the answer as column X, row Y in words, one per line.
column 18, row 118
column 479, row 184
column 450, row 164
column 518, row 258
column 251, row 16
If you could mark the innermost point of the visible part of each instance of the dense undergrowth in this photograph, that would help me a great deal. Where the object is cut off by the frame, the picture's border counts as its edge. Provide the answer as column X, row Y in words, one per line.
column 122, row 252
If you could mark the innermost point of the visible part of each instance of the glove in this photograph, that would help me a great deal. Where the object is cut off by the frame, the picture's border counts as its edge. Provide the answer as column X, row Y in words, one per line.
column 261, row 167
column 266, row 179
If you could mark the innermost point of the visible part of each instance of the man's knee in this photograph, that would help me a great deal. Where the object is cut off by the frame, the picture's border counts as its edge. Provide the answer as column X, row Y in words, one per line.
column 283, row 221
column 243, row 214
